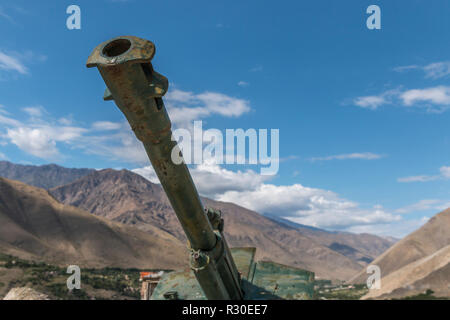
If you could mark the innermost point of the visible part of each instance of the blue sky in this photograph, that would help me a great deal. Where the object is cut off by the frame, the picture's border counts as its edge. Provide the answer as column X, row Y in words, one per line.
column 363, row 114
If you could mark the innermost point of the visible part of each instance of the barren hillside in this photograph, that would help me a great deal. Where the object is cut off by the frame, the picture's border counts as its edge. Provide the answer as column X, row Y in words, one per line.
column 33, row 225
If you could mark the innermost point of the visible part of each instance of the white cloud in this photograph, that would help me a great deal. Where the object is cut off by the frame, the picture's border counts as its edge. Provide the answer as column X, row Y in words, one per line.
column 184, row 106
column 35, row 111
column 3, row 156
column 41, row 141
column 223, row 104
column 40, row 134
column 437, row 95
column 422, row 205
column 437, row 70
column 398, row 229
column 434, row 70
column 13, row 63
column 10, row 63
column 370, row 102
column 436, row 205
column 34, row 141
column 119, row 145
column 185, row 115
column 8, row 121
column 444, row 173
column 422, row 178
column 289, row 158
column 212, row 180
column 433, row 99
column 347, row 156
column 180, row 96
column 148, row 173
column 406, row 68
column 310, row 206
column 66, row 121
column 373, row 102
column 106, row 125
column 300, row 204
column 243, row 84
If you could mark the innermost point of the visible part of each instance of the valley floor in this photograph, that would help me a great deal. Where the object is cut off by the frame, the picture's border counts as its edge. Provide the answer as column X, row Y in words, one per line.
column 124, row 284
column 96, row 284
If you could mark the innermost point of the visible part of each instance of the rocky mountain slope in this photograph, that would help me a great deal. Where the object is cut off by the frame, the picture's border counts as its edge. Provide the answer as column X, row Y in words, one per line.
column 34, row 226
column 46, row 176
column 425, row 241
column 126, row 197
column 429, row 273
column 418, row 262
column 362, row 247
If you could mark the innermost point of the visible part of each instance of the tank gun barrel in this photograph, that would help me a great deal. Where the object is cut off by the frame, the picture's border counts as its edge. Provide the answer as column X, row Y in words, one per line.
column 137, row 89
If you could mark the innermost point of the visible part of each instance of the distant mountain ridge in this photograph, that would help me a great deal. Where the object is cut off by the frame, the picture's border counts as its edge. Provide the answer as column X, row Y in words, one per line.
column 45, row 176
column 126, row 197
column 291, row 224
column 34, row 226
column 362, row 247
column 129, row 198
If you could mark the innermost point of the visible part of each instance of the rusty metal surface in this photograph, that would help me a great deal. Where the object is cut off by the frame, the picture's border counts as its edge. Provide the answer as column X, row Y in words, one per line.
column 137, row 89
column 130, row 81
column 139, row 51
column 261, row 280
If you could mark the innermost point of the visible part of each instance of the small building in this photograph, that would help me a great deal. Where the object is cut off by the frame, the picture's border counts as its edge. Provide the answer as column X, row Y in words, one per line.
column 149, row 282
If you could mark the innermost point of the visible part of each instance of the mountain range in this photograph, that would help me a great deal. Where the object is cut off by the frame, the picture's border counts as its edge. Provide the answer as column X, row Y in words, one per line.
column 127, row 198
column 34, row 226
column 46, row 176
column 118, row 218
